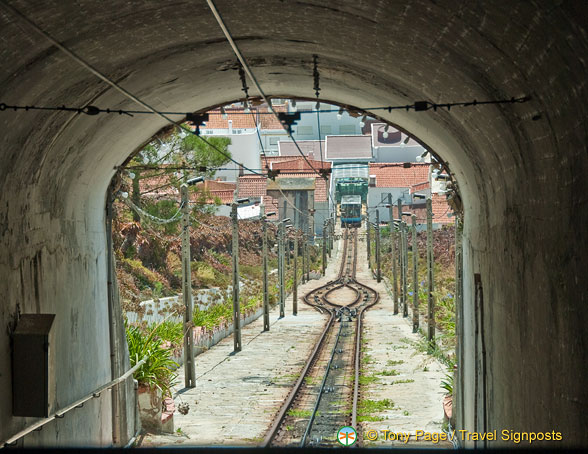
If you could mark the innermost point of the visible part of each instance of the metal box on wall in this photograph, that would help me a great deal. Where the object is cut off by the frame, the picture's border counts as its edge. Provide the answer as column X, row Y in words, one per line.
column 33, row 382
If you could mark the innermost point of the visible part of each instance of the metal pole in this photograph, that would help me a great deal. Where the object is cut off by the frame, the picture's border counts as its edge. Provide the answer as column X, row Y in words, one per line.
column 331, row 235
column 405, row 269
column 189, row 366
column 369, row 241
column 415, row 276
column 392, row 257
column 324, row 248
column 266, row 322
column 295, row 281
column 236, row 303
column 308, row 246
column 378, row 254
column 430, row 283
column 281, row 266
column 303, row 258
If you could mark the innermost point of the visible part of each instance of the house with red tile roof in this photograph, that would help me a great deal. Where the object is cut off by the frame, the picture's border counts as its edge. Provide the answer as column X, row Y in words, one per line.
column 395, row 179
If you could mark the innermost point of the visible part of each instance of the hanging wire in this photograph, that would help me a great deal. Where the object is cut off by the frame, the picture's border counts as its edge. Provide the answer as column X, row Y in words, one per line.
column 92, row 110
column 247, row 69
column 149, row 217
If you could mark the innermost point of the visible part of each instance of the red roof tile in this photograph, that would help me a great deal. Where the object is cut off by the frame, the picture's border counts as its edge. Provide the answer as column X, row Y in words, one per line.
column 269, row 121
column 299, row 163
column 252, row 186
column 396, row 176
column 239, row 119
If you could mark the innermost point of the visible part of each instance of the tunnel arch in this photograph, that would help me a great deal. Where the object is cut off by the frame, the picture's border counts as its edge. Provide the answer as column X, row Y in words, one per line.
column 514, row 163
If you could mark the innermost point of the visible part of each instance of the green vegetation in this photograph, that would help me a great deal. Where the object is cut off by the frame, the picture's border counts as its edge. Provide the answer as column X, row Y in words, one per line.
column 158, row 370
column 407, row 380
column 300, row 413
column 367, row 407
column 394, row 363
column 389, row 373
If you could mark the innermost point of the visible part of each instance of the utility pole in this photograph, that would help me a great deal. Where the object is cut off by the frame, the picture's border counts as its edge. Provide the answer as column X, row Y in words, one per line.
column 369, row 241
column 402, row 282
column 392, row 257
column 378, row 268
column 430, row 284
column 405, row 269
column 331, row 235
column 281, row 267
column 295, row 281
column 303, row 257
column 189, row 366
column 415, row 276
column 266, row 321
column 324, row 247
column 236, row 303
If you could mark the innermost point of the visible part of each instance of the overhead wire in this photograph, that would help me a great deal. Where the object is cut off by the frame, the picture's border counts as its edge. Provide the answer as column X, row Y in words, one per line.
column 109, row 81
column 247, row 70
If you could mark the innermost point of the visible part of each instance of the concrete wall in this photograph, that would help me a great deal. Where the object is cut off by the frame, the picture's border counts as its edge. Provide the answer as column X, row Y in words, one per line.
column 521, row 168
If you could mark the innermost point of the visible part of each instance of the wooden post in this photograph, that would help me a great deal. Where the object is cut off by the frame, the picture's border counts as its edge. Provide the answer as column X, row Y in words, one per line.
column 369, row 241
column 281, row 268
column 189, row 366
column 405, row 269
column 295, row 281
column 303, row 257
column 415, row 276
column 392, row 256
column 324, row 248
column 266, row 322
column 378, row 267
column 430, row 270
column 236, row 303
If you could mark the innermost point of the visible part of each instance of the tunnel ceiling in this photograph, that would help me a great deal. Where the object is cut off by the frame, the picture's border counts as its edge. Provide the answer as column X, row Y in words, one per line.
column 173, row 55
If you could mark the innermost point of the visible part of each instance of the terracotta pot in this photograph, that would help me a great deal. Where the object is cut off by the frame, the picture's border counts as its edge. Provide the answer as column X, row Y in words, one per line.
column 150, row 404
column 448, row 406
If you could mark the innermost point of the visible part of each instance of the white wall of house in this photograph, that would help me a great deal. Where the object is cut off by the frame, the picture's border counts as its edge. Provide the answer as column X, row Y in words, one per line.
column 244, row 148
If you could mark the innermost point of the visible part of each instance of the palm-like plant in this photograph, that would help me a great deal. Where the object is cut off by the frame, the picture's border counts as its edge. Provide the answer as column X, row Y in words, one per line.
column 158, row 369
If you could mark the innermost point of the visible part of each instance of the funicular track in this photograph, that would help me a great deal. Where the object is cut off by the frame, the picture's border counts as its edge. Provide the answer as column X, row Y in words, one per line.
column 325, row 396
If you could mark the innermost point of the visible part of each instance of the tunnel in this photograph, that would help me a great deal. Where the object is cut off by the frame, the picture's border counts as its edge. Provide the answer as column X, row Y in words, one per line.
column 521, row 169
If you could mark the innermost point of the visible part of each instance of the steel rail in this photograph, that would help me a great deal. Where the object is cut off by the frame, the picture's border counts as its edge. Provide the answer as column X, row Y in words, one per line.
column 322, row 388
column 290, row 399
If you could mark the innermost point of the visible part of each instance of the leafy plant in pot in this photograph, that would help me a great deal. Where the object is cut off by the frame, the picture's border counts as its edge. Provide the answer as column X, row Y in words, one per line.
column 156, row 376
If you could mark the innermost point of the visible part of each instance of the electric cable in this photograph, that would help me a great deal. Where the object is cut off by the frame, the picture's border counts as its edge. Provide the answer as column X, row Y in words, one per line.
column 90, row 110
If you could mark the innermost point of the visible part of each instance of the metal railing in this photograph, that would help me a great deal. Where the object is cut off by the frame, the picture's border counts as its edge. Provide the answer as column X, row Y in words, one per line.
column 77, row 404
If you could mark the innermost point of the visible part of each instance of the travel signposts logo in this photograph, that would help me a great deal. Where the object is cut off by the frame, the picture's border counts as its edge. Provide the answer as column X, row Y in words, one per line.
column 346, row 436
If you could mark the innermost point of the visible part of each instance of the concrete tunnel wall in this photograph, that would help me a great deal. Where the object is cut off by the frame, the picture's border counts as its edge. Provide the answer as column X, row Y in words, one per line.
column 523, row 181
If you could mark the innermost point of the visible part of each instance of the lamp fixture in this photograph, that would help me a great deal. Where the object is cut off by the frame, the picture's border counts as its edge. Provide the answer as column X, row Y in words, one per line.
column 340, row 113
column 362, row 122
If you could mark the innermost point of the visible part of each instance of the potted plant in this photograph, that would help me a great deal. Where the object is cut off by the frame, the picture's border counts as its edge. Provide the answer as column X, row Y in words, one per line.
column 447, row 385
column 155, row 377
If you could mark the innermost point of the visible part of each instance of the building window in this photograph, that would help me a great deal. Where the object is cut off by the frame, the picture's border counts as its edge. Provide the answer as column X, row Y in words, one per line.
column 372, row 181
column 347, row 129
column 326, row 129
column 305, row 130
column 273, row 140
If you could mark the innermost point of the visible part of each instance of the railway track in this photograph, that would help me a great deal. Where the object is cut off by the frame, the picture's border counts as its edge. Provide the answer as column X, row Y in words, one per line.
column 325, row 395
